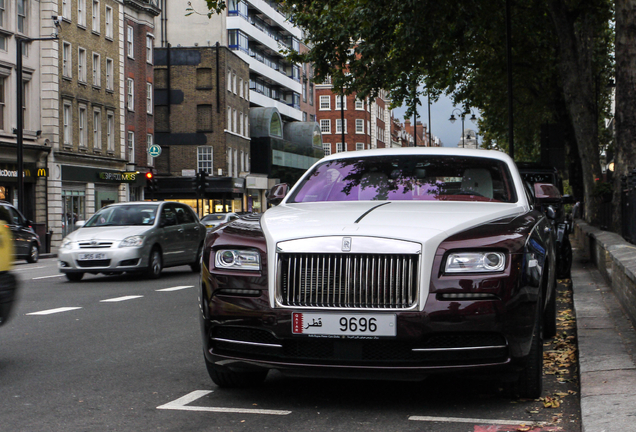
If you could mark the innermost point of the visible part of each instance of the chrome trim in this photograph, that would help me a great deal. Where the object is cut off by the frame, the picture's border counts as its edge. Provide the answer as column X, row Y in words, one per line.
column 247, row 343
column 333, row 244
column 458, row 349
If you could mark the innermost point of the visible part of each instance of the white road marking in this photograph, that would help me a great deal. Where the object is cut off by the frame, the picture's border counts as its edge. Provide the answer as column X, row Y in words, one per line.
column 118, row 299
column 180, row 404
column 52, row 311
column 28, row 268
column 472, row 420
column 47, row 277
column 177, row 288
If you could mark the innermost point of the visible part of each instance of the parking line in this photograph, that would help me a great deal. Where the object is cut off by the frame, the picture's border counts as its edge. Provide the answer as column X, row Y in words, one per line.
column 118, row 299
column 52, row 311
column 473, row 420
column 47, row 277
column 181, row 404
column 177, row 288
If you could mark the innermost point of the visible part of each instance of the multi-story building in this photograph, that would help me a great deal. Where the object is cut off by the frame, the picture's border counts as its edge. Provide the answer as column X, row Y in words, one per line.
column 21, row 19
column 367, row 125
column 399, row 136
column 83, row 116
column 139, row 40
column 202, row 124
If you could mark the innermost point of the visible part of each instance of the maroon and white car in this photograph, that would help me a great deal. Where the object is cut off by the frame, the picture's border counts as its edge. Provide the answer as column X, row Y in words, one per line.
column 391, row 263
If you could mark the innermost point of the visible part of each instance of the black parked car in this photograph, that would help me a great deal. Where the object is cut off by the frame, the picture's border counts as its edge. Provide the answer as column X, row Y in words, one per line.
column 26, row 241
column 535, row 174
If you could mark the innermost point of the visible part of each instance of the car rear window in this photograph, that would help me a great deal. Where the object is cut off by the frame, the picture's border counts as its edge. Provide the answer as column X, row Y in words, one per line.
column 408, row 177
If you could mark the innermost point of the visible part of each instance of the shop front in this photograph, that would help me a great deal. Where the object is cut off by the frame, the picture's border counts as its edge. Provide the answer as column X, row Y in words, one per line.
column 9, row 185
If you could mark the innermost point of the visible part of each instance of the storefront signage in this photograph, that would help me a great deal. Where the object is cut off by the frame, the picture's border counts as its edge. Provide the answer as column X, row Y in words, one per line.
column 118, row 176
column 10, row 171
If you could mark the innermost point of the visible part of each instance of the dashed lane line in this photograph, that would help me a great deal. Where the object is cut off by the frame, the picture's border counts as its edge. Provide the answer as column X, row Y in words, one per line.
column 473, row 420
column 118, row 299
column 181, row 404
column 177, row 288
column 52, row 311
column 47, row 277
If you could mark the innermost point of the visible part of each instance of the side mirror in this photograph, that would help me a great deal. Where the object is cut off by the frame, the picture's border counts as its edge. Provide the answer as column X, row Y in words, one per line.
column 277, row 193
column 80, row 224
column 551, row 213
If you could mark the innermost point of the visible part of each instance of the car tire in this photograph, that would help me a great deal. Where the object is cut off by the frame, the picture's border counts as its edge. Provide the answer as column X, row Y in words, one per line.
column 529, row 384
column 74, row 277
column 34, row 253
column 155, row 264
column 564, row 267
column 226, row 378
column 196, row 265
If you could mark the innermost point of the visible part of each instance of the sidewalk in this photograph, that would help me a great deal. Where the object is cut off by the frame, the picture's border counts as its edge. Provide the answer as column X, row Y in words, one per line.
column 607, row 344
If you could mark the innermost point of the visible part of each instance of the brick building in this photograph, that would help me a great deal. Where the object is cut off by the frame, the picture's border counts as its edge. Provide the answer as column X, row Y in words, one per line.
column 367, row 125
column 202, row 123
column 139, row 36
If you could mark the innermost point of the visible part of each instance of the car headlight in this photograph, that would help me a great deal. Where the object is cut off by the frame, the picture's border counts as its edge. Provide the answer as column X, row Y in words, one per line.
column 469, row 262
column 66, row 244
column 237, row 259
column 132, row 241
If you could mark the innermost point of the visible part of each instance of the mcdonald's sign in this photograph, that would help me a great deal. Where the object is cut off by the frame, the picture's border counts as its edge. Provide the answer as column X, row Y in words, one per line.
column 43, row 172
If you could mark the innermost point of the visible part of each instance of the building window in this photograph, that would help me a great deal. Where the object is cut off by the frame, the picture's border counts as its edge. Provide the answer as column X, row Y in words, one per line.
column 360, row 126
column 247, row 90
column 130, row 90
column 110, row 131
column 241, row 87
column 67, row 118
column 3, row 11
column 234, row 83
column 81, row 65
column 22, row 16
column 340, row 148
column 240, row 129
column 131, row 147
column 66, row 9
column 339, row 126
column 228, row 160
column 109, row 74
column 3, row 42
column 204, row 118
column 229, row 81
column 326, row 148
column 359, row 104
column 304, row 116
column 149, row 48
column 97, row 130
column 130, row 42
column 82, row 127
column 229, row 119
column 204, row 159
column 81, row 13
column 97, row 70
column 234, row 122
column 109, row 22
column 339, row 100
column 149, row 142
column 325, row 103
column 96, row 15
column 325, row 126
column 246, row 132
column 67, row 61
column 359, row 146
column 25, row 99
column 2, row 102
column 149, row 98
column 311, row 94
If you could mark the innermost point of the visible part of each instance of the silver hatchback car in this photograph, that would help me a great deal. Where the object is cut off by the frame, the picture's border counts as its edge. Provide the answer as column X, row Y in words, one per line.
column 136, row 237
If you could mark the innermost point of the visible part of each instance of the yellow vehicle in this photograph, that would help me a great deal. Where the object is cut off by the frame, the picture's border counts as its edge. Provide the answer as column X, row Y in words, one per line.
column 8, row 282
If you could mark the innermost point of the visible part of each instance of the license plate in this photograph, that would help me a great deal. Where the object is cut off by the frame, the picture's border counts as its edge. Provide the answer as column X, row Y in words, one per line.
column 91, row 256
column 335, row 324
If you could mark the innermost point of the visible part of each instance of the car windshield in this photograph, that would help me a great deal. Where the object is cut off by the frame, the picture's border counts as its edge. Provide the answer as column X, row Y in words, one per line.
column 213, row 217
column 408, row 177
column 124, row 215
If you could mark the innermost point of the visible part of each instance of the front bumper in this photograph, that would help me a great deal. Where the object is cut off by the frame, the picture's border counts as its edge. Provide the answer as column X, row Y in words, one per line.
column 244, row 333
column 8, row 289
column 115, row 260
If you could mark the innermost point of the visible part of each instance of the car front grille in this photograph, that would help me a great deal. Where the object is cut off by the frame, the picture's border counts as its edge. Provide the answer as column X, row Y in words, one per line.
column 94, row 263
column 347, row 280
column 95, row 245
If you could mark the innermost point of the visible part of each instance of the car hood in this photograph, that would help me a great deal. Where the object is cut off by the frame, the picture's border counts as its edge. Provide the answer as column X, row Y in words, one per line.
column 426, row 223
column 114, row 233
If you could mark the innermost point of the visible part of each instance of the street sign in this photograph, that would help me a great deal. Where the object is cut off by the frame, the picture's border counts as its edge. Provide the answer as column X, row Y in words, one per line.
column 154, row 150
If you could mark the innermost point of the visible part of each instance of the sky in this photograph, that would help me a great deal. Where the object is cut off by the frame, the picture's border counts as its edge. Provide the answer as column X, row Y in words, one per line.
column 449, row 133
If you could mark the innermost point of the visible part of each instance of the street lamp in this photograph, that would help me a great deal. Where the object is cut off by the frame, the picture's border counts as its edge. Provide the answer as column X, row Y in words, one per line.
column 462, row 114
column 20, row 103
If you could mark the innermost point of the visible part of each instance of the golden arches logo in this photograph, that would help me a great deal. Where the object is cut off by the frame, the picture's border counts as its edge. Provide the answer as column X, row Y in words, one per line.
column 42, row 172
column 27, row 172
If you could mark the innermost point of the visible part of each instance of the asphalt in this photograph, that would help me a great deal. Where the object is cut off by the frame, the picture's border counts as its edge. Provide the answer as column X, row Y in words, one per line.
column 607, row 344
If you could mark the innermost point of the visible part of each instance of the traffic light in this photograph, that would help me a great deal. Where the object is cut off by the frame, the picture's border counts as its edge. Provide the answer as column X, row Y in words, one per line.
column 152, row 183
column 196, row 182
column 202, row 182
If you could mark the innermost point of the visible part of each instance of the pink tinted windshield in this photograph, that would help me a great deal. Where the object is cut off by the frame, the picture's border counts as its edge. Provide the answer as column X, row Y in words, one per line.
column 411, row 178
